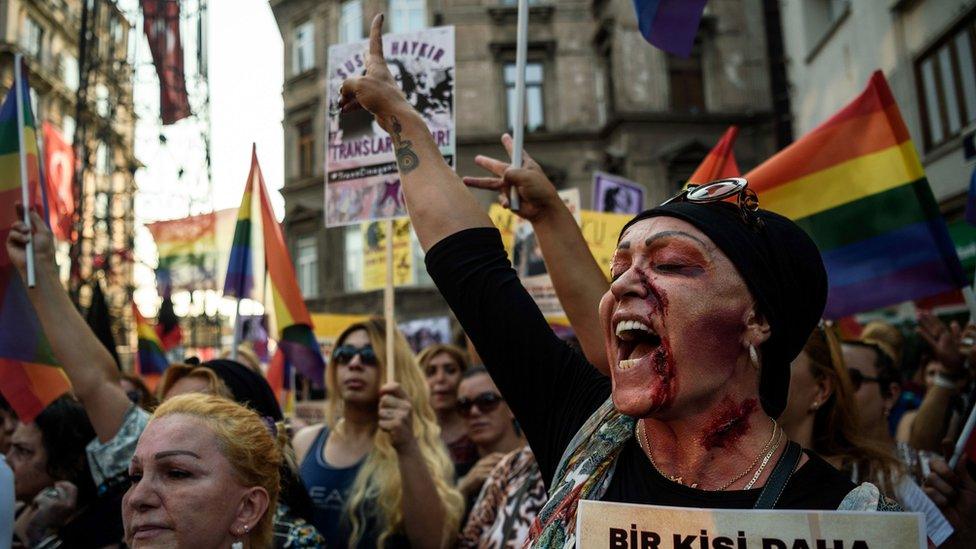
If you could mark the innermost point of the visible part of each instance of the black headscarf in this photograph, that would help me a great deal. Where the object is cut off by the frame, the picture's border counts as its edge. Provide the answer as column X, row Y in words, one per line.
column 248, row 387
column 783, row 270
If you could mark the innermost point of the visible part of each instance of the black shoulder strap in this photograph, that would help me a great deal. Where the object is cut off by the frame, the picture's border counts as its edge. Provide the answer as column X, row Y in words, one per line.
column 779, row 477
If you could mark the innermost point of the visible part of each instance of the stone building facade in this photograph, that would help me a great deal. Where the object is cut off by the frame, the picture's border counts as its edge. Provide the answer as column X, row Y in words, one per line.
column 47, row 32
column 600, row 98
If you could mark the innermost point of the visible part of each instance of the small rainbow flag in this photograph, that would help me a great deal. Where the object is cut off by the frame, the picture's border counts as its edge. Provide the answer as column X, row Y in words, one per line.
column 151, row 361
column 29, row 376
column 239, row 281
column 720, row 162
column 295, row 337
column 856, row 185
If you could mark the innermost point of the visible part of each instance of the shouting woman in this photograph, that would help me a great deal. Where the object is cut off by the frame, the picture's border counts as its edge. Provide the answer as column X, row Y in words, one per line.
column 710, row 302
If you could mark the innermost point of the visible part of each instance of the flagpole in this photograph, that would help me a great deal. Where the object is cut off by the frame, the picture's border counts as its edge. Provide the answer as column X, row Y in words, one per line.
column 24, row 183
column 519, row 130
column 237, row 331
column 388, row 305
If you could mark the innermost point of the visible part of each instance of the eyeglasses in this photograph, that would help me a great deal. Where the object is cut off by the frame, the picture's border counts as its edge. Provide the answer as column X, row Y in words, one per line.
column 719, row 190
column 858, row 379
column 345, row 353
column 486, row 403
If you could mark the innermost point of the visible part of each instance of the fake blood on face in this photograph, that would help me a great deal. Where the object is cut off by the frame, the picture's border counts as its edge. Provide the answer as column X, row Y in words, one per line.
column 729, row 424
column 662, row 359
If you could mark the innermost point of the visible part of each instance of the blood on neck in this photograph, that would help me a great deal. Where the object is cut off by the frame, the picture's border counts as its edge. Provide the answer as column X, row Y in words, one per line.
column 729, row 423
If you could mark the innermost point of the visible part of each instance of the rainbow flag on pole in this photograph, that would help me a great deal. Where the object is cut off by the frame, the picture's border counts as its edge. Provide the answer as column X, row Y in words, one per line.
column 856, row 185
column 29, row 376
column 295, row 337
column 670, row 24
column 720, row 162
column 151, row 360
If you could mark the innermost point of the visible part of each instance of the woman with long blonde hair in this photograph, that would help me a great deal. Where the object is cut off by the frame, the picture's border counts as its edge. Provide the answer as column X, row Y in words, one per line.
column 379, row 454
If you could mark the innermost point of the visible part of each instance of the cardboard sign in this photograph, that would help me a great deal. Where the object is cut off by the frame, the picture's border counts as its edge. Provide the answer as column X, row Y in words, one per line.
column 623, row 526
column 374, row 254
column 361, row 178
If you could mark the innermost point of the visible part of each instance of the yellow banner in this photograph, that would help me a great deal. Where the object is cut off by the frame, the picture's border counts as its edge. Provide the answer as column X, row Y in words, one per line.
column 374, row 254
column 625, row 526
column 505, row 220
column 601, row 229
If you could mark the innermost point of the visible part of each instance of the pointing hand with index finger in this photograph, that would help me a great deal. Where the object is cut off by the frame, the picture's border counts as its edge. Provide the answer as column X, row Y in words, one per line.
column 376, row 91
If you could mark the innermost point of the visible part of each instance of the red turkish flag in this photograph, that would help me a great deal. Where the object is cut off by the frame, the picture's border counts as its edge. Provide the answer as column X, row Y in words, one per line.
column 59, row 167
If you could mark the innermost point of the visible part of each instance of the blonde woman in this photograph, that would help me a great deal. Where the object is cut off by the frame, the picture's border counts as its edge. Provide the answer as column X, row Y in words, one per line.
column 379, row 452
column 203, row 452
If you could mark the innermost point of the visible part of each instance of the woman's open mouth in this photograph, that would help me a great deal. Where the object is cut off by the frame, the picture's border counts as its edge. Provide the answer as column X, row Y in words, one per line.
column 635, row 341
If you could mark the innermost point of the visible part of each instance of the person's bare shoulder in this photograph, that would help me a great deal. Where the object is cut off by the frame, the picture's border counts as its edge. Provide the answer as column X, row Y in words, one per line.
column 304, row 439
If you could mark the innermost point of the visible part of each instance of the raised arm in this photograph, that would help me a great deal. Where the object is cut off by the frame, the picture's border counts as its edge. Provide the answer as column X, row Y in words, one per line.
column 577, row 278
column 438, row 202
column 87, row 363
column 929, row 425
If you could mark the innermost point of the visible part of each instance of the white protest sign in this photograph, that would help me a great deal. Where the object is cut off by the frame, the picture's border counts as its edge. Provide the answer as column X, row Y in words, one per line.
column 624, row 526
column 361, row 179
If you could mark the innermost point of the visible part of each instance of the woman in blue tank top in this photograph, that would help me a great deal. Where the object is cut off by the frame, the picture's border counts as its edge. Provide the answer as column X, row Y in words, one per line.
column 379, row 451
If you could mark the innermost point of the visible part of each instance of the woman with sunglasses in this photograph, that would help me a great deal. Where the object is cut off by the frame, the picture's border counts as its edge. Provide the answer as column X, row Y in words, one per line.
column 821, row 414
column 379, row 451
column 700, row 325
column 508, row 488
column 490, row 425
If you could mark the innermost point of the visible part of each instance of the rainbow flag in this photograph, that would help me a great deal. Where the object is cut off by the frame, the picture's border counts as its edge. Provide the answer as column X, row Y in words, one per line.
column 239, row 281
column 856, row 185
column 295, row 337
column 29, row 376
column 151, row 361
column 720, row 162
column 187, row 250
column 670, row 24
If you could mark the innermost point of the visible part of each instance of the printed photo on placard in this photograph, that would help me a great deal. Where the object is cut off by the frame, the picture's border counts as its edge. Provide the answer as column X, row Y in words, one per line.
column 361, row 179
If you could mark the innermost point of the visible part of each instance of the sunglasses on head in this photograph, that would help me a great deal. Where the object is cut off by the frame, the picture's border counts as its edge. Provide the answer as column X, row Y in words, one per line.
column 344, row 354
column 720, row 190
column 486, row 403
column 858, row 379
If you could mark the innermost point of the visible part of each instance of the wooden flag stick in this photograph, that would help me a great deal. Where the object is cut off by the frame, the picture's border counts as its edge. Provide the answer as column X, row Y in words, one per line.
column 519, row 129
column 388, row 308
column 237, row 331
column 24, row 183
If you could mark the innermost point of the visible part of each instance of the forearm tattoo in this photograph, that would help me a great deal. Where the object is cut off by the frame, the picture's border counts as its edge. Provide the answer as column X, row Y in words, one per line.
column 406, row 159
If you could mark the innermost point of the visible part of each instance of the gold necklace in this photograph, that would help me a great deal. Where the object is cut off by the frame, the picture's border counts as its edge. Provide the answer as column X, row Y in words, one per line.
column 764, row 451
column 765, row 460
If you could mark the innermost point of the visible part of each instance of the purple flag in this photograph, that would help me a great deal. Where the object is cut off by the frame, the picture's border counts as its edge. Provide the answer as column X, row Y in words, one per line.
column 670, row 24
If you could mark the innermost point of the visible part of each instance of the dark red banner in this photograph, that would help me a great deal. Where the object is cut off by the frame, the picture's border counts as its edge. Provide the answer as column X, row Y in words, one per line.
column 59, row 167
column 161, row 23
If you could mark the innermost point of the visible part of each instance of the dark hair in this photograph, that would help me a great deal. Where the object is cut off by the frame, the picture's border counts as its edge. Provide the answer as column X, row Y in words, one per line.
column 65, row 432
column 147, row 401
column 5, row 406
column 475, row 370
column 885, row 368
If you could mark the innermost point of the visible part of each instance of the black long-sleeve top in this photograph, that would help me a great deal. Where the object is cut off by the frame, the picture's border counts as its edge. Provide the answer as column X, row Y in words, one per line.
column 553, row 390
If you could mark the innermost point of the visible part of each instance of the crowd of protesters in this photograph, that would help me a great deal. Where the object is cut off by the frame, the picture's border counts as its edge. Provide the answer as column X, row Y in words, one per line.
column 706, row 378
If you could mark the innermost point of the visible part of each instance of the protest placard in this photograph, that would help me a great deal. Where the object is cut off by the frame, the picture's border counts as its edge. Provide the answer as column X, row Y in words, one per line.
column 361, row 179
column 374, row 254
column 612, row 193
column 600, row 230
column 626, row 526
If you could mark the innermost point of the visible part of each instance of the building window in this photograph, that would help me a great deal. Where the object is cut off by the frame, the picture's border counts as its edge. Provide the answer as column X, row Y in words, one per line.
column 307, row 266
column 303, row 48
column 353, row 279
column 306, row 148
column 820, row 17
column 32, row 37
column 103, row 159
column 102, row 100
column 946, row 78
column 351, row 21
column 534, row 104
column 69, row 71
column 687, row 81
column 407, row 15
